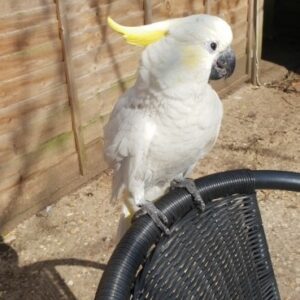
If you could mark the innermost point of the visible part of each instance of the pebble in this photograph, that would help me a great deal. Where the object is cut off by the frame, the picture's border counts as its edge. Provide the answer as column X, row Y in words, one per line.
column 70, row 283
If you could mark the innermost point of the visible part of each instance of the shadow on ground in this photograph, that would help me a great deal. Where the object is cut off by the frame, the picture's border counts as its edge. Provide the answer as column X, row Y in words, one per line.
column 37, row 281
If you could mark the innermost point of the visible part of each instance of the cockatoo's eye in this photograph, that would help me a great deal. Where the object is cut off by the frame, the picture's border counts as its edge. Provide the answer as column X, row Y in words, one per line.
column 213, row 46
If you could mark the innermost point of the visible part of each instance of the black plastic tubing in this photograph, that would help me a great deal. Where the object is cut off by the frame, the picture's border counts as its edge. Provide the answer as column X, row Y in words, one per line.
column 129, row 254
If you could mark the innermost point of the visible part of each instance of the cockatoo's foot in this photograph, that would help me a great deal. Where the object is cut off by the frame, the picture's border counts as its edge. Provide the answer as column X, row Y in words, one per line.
column 156, row 215
column 190, row 186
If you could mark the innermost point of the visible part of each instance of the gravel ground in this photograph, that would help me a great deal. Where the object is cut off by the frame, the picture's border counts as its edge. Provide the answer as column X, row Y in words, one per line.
column 61, row 252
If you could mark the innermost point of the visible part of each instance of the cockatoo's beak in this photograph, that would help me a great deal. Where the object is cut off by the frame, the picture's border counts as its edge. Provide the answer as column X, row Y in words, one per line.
column 143, row 35
column 224, row 65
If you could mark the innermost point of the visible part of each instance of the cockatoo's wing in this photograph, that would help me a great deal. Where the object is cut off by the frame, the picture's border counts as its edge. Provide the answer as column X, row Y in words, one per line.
column 127, row 139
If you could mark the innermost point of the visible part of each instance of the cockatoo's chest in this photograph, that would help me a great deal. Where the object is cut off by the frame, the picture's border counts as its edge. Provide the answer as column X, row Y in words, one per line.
column 183, row 134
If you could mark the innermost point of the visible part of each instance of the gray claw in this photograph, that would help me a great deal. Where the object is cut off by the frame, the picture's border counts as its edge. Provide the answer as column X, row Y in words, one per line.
column 156, row 215
column 190, row 186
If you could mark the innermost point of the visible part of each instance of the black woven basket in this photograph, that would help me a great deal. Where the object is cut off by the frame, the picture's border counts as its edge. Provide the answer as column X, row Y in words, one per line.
column 221, row 253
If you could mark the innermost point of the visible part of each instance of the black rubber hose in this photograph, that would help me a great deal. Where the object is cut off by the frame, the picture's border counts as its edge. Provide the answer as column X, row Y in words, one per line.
column 129, row 254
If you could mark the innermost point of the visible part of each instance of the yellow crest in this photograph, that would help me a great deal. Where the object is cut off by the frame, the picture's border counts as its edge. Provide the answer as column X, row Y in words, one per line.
column 141, row 35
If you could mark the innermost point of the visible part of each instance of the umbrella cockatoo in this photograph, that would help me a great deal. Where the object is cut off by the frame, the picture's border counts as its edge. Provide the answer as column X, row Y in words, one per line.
column 171, row 117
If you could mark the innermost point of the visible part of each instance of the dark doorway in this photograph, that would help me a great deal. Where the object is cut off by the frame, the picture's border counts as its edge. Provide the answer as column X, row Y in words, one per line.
column 281, row 42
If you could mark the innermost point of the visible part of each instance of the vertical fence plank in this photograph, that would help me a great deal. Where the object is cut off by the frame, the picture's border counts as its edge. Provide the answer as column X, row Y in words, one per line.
column 72, row 92
column 257, row 40
column 207, row 6
column 147, row 5
column 250, row 36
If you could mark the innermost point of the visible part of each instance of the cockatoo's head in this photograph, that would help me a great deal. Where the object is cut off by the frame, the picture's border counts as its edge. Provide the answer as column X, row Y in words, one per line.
column 198, row 45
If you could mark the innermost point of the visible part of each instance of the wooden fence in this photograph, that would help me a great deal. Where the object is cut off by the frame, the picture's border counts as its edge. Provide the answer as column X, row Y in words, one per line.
column 61, row 73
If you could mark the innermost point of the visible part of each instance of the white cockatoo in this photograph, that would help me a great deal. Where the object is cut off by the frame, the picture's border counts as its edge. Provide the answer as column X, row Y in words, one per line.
column 171, row 117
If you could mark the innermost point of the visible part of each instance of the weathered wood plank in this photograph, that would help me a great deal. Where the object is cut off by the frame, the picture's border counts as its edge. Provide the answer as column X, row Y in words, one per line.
column 15, row 122
column 236, row 15
column 94, row 130
column 102, row 103
column 81, row 6
column 42, row 188
column 240, row 29
column 29, row 37
column 27, row 137
column 240, row 46
column 97, row 15
column 95, row 156
column 30, row 60
column 175, row 8
column 43, row 157
column 99, row 57
column 107, row 76
column 87, row 40
column 24, row 19
column 37, row 187
column 219, row 7
column 31, row 108
column 147, row 6
column 11, row 7
column 29, row 85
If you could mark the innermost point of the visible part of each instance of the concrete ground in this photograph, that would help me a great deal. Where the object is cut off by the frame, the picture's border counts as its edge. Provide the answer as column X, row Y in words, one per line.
column 61, row 252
